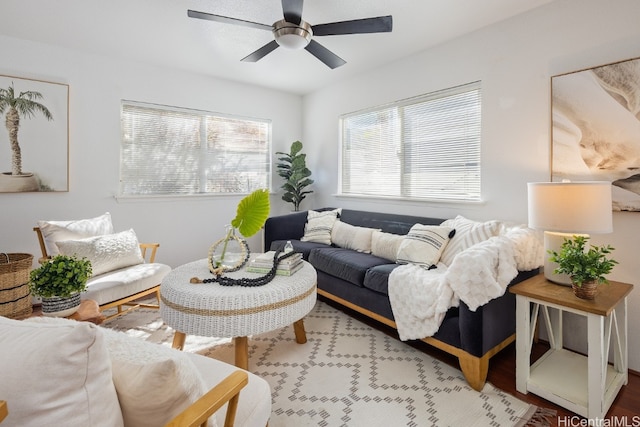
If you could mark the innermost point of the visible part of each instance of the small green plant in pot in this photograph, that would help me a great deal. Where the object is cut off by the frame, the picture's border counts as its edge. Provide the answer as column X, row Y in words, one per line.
column 586, row 268
column 293, row 169
column 59, row 282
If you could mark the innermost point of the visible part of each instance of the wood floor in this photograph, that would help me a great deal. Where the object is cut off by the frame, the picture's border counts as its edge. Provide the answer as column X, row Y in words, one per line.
column 502, row 374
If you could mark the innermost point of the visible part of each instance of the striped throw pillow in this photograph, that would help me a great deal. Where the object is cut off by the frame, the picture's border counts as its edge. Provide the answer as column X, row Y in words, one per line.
column 319, row 225
column 468, row 233
column 423, row 245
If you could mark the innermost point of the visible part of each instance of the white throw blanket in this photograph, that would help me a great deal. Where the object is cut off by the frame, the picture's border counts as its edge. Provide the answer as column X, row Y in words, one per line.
column 420, row 298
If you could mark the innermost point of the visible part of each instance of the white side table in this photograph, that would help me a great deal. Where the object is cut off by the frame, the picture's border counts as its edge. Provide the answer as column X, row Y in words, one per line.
column 584, row 385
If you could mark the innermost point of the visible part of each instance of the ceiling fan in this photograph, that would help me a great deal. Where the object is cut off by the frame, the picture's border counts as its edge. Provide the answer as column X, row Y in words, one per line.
column 294, row 33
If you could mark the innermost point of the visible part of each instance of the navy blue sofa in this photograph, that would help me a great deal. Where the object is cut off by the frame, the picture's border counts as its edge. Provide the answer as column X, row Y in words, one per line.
column 359, row 281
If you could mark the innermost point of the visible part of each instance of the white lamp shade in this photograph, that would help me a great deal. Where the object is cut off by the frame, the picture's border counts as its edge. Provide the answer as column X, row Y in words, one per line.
column 572, row 207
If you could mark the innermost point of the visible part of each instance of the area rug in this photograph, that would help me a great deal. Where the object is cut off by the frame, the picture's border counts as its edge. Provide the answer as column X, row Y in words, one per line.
column 349, row 374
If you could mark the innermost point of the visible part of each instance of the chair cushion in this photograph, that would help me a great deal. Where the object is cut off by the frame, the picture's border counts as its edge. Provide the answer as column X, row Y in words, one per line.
column 54, row 231
column 154, row 383
column 56, row 372
column 254, row 405
column 124, row 282
column 377, row 278
column 107, row 252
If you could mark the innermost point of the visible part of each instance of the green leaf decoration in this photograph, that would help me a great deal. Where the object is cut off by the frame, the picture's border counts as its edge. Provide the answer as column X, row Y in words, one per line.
column 253, row 211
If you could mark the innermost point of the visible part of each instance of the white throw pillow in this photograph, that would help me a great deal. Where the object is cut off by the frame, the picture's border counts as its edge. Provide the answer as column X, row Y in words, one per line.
column 423, row 245
column 56, row 372
column 154, row 383
column 54, row 231
column 351, row 237
column 386, row 245
column 319, row 225
column 106, row 253
column 468, row 233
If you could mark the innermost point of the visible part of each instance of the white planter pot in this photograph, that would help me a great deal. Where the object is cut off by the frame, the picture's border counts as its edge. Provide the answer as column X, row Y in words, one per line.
column 60, row 306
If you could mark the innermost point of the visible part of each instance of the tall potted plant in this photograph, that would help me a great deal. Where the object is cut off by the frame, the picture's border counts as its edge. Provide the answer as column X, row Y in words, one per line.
column 24, row 105
column 293, row 169
column 586, row 268
column 59, row 282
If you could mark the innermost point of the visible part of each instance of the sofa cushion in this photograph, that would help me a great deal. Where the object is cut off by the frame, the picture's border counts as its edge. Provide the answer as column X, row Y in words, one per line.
column 106, row 253
column 319, row 225
column 154, row 383
column 56, row 372
column 346, row 264
column 424, row 244
column 54, row 231
column 377, row 278
column 351, row 237
column 386, row 245
column 468, row 233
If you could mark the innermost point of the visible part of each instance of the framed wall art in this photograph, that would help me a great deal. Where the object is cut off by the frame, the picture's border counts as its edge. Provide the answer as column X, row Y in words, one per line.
column 596, row 129
column 34, row 144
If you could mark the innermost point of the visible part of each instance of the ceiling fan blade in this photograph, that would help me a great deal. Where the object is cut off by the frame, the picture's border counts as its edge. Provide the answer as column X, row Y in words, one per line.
column 330, row 59
column 262, row 52
column 292, row 11
column 227, row 20
column 380, row 24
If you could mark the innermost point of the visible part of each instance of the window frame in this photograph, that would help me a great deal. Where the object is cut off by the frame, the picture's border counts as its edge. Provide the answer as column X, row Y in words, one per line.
column 400, row 104
column 203, row 115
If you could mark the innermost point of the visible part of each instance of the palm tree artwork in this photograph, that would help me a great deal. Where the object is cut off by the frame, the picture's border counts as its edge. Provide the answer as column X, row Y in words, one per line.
column 25, row 105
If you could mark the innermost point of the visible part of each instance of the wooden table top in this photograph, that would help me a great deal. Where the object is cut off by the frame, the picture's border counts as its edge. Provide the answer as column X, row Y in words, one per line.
column 607, row 298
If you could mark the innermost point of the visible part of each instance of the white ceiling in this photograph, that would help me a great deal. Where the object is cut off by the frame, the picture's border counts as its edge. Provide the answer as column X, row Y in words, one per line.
column 159, row 32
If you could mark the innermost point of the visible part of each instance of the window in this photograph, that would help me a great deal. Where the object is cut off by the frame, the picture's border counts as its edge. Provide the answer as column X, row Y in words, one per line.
column 176, row 151
column 426, row 147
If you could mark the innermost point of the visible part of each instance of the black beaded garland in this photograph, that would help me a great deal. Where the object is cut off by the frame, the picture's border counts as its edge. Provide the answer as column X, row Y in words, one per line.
column 244, row 281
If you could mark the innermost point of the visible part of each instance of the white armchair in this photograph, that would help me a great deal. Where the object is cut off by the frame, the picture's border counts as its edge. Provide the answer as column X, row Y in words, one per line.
column 121, row 272
column 63, row 372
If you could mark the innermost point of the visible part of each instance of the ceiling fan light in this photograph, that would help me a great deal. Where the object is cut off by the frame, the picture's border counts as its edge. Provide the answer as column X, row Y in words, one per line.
column 292, row 36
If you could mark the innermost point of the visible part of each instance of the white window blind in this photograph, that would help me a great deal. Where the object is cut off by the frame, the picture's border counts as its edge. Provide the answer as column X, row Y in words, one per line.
column 175, row 151
column 424, row 147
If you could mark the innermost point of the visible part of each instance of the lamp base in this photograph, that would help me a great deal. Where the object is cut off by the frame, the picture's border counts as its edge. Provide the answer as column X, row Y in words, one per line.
column 553, row 242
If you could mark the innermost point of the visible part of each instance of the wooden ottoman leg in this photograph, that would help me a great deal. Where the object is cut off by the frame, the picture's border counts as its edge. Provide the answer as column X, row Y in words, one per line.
column 298, row 329
column 178, row 340
column 242, row 352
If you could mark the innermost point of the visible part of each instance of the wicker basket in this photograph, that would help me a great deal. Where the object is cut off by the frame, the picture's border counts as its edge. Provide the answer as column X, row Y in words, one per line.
column 15, row 298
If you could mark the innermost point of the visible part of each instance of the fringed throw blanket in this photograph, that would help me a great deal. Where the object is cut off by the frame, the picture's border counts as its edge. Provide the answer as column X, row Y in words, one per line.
column 420, row 298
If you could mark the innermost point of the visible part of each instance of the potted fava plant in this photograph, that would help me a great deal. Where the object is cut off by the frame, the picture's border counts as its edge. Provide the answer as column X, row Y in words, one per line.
column 292, row 167
column 587, row 268
column 59, row 282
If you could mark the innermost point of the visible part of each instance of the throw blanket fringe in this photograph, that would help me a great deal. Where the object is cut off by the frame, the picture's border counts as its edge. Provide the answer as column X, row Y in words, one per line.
column 420, row 298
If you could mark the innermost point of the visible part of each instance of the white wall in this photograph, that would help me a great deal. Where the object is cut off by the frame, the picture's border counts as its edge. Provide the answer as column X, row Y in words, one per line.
column 514, row 60
column 185, row 227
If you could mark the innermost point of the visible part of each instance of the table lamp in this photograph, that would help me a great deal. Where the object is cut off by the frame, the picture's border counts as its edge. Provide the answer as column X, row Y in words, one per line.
column 566, row 209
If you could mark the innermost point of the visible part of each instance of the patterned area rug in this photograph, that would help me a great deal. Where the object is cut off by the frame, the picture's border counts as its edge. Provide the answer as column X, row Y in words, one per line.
column 349, row 374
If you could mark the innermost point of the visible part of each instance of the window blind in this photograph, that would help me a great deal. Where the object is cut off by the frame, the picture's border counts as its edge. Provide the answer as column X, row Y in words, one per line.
column 423, row 147
column 174, row 151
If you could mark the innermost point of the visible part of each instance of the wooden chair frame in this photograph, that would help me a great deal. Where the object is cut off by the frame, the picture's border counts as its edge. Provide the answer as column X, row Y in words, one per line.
column 131, row 301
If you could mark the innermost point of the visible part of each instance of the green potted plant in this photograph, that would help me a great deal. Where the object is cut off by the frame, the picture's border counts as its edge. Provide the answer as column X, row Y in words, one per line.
column 293, row 168
column 586, row 268
column 231, row 252
column 59, row 282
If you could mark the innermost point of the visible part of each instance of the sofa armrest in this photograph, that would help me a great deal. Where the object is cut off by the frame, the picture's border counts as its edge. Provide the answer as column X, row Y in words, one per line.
column 228, row 390
column 284, row 227
column 490, row 324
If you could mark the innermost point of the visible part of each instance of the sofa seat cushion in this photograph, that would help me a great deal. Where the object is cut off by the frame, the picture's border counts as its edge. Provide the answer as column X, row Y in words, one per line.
column 303, row 247
column 124, row 282
column 346, row 264
column 377, row 278
column 254, row 406
column 56, row 372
